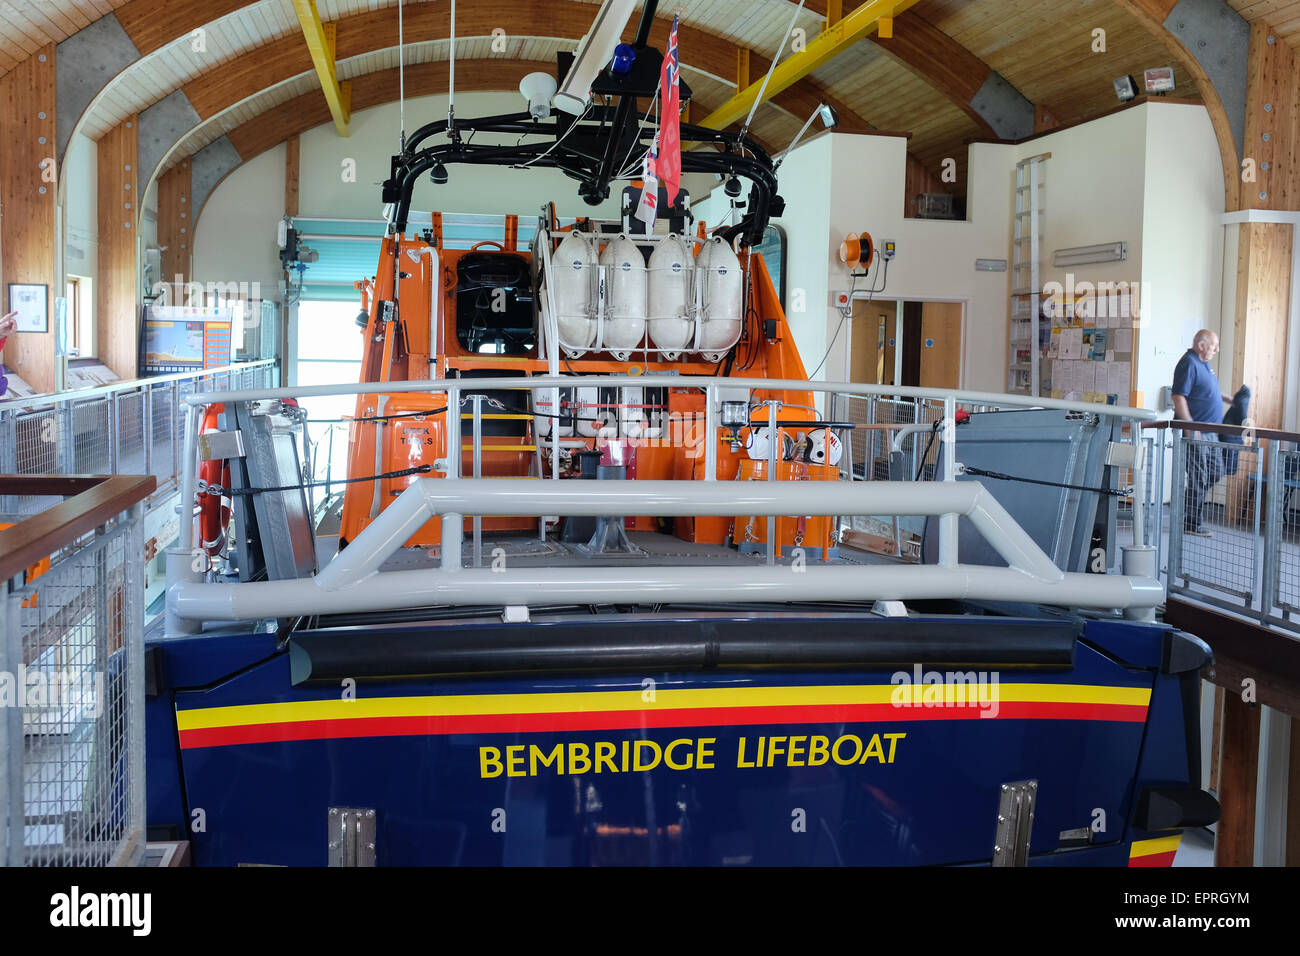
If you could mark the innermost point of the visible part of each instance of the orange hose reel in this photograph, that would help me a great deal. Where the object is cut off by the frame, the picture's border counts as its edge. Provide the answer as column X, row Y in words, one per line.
column 857, row 251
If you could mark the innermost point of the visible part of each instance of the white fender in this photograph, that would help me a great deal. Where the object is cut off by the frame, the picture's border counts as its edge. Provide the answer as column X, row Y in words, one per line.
column 671, row 327
column 722, row 294
column 573, row 275
column 625, row 308
column 588, row 418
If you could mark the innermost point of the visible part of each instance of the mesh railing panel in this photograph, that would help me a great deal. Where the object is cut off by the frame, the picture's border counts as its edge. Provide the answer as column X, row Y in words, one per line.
column 862, row 446
column 1220, row 544
column 76, row 742
column 164, row 438
column 130, row 433
column 92, row 436
column 1285, row 500
column 37, row 443
column 1219, row 547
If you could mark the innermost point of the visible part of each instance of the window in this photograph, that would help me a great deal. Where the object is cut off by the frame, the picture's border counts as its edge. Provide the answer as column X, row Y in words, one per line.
column 81, row 323
column 329, row 353
column 772, row 249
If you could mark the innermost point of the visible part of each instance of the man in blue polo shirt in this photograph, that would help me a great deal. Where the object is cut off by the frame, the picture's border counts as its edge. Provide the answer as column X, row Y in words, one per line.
column 1198, row 398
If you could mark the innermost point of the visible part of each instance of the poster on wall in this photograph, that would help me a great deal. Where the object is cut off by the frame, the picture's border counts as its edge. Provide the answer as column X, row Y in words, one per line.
column 32, row 304
column 173, row 343
column 185, row 339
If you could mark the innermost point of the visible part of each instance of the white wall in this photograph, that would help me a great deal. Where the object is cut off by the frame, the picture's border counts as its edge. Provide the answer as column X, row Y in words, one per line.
column 1183, row 265
column 802, row 180
column 1095, row 180
column 837, row 183
column 469, row 189
column 1149, row 176
column 935, row 259
column 81, row 225
column 235, row 237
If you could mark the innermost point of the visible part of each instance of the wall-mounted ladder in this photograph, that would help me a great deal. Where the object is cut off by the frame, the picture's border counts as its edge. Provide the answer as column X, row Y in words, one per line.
column 1025, row 347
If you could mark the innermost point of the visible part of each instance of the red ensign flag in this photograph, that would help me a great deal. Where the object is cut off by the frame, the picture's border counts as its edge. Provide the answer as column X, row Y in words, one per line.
column 669, row 163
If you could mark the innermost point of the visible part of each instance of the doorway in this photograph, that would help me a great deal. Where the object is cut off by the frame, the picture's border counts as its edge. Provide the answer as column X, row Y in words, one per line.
column 926, row 354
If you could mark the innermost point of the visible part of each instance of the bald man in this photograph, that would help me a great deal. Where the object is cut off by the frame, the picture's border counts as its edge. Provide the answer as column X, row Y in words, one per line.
column 1198, row 398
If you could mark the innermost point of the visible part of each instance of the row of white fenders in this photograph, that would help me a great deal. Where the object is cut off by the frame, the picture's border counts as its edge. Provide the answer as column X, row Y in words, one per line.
column 681, row 304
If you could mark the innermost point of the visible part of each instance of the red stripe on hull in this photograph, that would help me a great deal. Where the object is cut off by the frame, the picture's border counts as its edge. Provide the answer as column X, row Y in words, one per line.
column 637, row 719
column 1154, row 859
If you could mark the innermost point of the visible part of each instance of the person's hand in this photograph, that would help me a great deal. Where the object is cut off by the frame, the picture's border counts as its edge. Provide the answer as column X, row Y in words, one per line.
column 8, row 324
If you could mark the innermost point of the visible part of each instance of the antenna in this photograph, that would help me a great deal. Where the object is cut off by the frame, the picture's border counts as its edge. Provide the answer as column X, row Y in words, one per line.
column 451, row 84
column 401, row 79
column 775, row 59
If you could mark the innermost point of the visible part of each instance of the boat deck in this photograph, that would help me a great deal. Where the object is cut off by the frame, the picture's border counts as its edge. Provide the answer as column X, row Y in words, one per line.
column 659, row 550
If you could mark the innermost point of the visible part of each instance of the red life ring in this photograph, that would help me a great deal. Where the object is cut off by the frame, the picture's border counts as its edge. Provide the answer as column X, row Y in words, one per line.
column 214, row 510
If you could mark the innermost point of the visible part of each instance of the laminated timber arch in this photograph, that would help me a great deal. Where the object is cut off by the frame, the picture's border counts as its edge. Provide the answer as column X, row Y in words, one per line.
column 994, row 104
column 286, row 57
column 1221, row 77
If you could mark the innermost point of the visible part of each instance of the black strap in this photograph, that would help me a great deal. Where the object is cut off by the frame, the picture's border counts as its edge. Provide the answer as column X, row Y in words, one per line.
column 380, row 418
column 438, row 411
column 1115, row 492
column 232, row 492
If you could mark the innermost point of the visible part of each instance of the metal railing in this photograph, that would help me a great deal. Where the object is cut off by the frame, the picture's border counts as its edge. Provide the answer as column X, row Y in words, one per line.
column 71, row 640
column 128, row 428
column 1233, row 532
column 883, row 425
column 455, row 497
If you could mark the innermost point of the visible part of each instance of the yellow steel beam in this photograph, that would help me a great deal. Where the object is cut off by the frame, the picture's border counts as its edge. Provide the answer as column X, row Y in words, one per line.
column 320, row 43
column 823, row 48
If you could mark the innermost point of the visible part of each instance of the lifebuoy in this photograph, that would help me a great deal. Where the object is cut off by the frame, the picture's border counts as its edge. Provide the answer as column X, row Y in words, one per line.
column 214, row 510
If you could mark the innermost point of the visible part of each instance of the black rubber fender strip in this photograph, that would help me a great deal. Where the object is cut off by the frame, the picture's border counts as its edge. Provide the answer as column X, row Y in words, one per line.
column 607, row 644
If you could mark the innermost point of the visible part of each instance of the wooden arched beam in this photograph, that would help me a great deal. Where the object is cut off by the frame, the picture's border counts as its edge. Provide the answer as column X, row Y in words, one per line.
column 1152, row 15
column 287, row 57
column 934, row 57
column 152, row 24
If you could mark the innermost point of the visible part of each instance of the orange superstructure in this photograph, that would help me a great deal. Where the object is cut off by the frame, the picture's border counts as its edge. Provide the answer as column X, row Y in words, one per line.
column 438, row 313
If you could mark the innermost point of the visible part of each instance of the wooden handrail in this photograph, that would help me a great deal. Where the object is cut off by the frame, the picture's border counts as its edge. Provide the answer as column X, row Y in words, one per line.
column 63, row 486
column 1272, row 434
column 93, row 501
